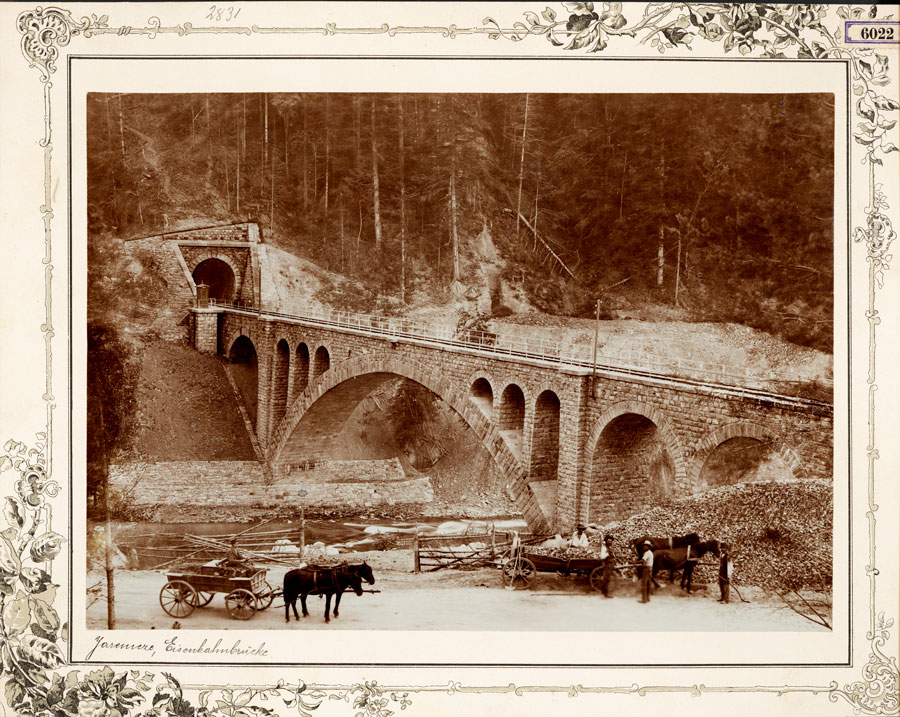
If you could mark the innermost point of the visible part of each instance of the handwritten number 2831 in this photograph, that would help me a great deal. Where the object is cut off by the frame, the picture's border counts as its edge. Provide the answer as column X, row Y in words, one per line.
column 223, row 13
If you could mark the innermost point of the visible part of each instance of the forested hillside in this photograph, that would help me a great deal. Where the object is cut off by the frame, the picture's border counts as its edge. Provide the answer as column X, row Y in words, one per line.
column 577, row 192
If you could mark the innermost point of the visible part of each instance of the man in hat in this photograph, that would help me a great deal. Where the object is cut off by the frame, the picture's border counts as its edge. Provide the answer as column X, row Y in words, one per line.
column 579, row 537
column 608, row 564
column 234, row 558
column 725, row 570
column 646, row 570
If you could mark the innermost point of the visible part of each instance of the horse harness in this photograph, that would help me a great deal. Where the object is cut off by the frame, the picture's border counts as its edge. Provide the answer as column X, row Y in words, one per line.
column 331, row 582
column 687, row 558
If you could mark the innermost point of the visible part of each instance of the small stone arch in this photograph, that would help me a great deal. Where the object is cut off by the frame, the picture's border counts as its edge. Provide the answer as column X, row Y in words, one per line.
column 481, row 393
column 278, row 393
column 302, row 363
column 737, row 431
column 544, row 454
column 233, row 329
column 361, row 370
column 243, row 367
column 321, row 362
column 511, row 413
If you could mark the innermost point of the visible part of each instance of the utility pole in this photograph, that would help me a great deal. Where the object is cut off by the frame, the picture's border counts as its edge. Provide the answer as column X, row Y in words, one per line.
column 661, row 260
column 678, row 268
column 596, row 340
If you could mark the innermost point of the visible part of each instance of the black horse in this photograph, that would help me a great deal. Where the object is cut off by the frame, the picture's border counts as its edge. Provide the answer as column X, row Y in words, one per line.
column 676, row 541
column 684, row 559
column 327, row 581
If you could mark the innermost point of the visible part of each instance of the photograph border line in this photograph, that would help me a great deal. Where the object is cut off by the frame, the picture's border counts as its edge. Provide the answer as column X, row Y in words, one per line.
column 45, row 30
column 395, row 58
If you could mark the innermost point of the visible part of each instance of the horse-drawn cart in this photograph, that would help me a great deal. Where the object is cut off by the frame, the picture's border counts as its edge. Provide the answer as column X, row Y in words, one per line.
column 521, row 569
column 246, row 591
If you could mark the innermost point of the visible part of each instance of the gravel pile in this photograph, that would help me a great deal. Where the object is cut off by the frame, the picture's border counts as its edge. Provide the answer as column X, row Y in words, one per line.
column 779, row 533
column 569, row 553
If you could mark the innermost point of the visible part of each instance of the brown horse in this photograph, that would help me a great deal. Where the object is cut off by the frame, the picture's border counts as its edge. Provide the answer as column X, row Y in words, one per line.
column 684, row 559
column 327, row 581
column 676, row 541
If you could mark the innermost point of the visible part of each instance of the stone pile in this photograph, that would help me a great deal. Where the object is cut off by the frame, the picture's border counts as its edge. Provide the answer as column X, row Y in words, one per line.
column 780, row 533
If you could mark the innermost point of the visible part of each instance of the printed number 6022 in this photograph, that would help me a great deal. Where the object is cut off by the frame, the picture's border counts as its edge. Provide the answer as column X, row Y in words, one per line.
column 874, row 32
column 222, row 13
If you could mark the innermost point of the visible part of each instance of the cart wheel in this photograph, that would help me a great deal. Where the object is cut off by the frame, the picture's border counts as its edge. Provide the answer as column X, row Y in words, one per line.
column 520, row 575
column 241, row 604
column 178, row 598
column 265, row 596
column 203, row 598
column 597, row 578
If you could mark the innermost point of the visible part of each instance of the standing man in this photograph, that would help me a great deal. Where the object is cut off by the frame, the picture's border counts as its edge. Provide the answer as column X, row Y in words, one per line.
column 725, row 571
column 608, row 564
column 646, row 571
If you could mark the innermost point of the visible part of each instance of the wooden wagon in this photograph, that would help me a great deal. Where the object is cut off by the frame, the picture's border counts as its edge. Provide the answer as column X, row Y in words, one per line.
column 521, row 569
column 246, row 591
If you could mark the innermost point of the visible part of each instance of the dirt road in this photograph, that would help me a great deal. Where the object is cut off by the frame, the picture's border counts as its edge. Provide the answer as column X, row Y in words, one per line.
column 465, row 600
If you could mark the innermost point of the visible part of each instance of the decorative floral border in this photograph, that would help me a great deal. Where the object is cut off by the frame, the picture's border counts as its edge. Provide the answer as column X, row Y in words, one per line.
column 31, row 636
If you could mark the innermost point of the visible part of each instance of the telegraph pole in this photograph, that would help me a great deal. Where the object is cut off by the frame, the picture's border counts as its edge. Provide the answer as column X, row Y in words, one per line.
column 596, row 340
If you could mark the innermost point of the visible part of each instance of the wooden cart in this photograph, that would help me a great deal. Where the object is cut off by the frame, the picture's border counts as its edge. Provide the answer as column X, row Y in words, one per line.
column 521, row 569
column 246, row 592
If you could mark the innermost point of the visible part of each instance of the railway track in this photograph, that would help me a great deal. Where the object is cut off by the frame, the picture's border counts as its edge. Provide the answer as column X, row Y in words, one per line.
column 548, row 352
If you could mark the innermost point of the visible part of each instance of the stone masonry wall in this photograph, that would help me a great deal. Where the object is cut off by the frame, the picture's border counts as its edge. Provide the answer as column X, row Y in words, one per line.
column 205, row 330
column 225, row 232
column 215, row 483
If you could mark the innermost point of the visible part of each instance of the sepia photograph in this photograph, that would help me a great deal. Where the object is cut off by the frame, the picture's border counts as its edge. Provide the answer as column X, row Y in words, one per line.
column 460, row 361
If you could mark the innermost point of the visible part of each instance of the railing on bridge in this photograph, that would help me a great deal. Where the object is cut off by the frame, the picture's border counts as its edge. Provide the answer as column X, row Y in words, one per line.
column 517, row 346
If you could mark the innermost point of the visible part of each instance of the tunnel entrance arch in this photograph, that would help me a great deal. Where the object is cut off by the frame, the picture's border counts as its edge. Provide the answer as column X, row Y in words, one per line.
column 218, row 276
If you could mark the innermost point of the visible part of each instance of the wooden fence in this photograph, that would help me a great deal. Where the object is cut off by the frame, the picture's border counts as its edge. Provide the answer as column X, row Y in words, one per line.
column 466, row 551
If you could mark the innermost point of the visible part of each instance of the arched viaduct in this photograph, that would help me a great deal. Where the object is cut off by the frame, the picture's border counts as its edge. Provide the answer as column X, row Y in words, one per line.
column 573, row 448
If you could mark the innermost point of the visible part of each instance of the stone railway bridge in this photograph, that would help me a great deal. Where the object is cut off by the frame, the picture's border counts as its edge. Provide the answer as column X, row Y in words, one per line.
column 573, row 447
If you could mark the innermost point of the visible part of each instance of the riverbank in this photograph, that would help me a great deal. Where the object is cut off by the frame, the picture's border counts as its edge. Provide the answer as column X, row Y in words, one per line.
column 436, row 510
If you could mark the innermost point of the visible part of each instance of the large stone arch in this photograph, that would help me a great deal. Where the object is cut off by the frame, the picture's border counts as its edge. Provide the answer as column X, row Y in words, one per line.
column 738, row 430
column 654, row 430
column 361, row 374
